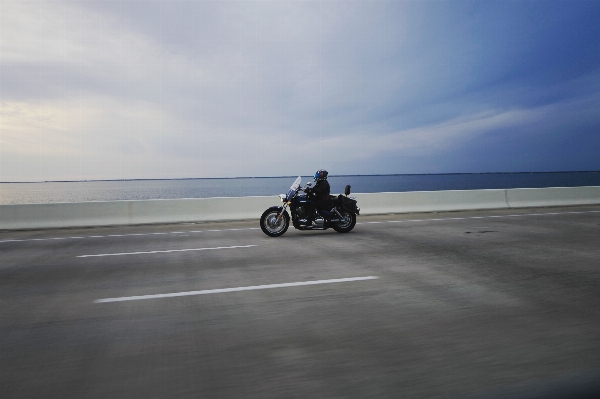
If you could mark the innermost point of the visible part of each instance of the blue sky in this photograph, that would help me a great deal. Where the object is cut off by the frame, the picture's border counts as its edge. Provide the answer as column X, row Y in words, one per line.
column 152, row 89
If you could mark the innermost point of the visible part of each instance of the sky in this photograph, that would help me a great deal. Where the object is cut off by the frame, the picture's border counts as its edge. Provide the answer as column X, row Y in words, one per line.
column 189, row 89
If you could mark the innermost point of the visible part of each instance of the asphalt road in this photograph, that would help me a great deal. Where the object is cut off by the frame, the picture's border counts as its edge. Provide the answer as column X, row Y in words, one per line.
column 439, row 305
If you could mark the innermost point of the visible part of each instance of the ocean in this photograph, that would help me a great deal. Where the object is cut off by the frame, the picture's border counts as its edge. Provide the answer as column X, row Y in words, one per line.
column 114, row 190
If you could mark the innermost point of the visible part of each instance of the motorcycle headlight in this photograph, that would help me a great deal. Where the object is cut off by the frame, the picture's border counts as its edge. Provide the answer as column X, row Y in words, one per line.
column 282, row 197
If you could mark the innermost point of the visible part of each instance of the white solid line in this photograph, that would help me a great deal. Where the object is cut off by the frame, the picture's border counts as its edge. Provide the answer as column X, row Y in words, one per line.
column 480, row 217
column 221, row 290
column 166, row 251
column 257, row 228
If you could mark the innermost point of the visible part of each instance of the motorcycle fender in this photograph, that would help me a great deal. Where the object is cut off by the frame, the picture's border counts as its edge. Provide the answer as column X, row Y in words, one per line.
column 278, row 209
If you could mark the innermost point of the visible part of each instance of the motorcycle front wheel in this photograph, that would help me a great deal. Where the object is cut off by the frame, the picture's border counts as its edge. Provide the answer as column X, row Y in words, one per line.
column 273, row 226
column 345, row 224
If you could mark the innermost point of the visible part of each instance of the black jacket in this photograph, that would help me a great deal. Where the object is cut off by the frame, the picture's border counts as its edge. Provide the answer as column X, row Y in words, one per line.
column 320, row 190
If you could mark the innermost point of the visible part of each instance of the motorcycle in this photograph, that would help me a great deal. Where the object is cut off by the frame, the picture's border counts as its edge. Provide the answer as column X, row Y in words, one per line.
column 275, row 221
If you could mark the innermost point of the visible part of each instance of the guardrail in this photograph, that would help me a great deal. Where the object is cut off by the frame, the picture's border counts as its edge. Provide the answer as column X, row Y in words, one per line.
column 83, row 214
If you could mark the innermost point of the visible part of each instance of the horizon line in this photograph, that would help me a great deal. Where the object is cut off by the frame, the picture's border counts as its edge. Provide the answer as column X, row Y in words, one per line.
column 288, row 176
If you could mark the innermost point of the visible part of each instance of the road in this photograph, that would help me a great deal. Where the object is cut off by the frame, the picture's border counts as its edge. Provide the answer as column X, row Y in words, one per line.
column 439, row 305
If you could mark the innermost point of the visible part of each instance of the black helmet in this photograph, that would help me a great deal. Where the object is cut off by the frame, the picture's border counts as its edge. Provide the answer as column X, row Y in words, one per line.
column 321, row 174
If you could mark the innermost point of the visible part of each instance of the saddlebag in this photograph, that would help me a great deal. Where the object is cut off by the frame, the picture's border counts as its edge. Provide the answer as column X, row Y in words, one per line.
column 347, row 204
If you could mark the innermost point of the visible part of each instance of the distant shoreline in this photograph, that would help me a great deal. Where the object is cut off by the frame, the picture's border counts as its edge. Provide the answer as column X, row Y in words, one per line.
column 280, row 177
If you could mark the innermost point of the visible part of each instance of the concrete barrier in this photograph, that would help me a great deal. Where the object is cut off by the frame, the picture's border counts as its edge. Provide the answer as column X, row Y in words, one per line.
column 83, row 214
column 553, row 196
column 109, row 213
column 430, row 201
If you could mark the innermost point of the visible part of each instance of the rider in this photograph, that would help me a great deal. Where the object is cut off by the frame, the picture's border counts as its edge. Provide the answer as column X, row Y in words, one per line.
column 319, row 194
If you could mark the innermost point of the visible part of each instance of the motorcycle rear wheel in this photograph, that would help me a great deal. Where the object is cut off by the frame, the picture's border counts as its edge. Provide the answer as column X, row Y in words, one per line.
column 346, row 224
column 271, row 225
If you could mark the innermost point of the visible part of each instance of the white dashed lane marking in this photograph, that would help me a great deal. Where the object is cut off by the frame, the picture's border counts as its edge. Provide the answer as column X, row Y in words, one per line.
column 236, row 289
column 125, row 235
column 164, row 251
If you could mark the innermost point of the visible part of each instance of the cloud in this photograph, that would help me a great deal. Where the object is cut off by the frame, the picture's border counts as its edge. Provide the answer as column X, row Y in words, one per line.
column 212, row 89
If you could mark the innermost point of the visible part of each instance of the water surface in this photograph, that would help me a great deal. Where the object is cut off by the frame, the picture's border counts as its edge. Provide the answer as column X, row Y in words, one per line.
column 82, row 191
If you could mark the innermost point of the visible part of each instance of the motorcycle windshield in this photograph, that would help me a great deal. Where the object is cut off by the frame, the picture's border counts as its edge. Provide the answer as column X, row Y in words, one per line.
column 294, row 187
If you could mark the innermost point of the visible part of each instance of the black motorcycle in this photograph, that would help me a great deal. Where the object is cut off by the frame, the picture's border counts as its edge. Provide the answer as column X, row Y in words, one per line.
column 341, row 217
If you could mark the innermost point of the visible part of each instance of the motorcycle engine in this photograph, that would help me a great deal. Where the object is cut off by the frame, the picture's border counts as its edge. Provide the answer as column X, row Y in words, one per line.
column 301, row 212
